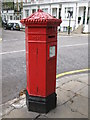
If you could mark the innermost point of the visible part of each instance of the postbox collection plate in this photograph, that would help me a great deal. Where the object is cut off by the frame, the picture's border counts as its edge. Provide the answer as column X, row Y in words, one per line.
column 51, row 51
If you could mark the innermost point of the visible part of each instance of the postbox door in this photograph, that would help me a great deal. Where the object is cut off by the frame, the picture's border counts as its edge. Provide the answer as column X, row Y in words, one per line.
column 37, row 70
column 32, row 63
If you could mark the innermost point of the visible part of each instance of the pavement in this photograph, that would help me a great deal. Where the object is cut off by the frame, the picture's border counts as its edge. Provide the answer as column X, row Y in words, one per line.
column 72, row 100
column 73, row 34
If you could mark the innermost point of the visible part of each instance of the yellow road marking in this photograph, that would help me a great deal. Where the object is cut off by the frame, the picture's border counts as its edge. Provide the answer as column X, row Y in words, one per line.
column 71, row 72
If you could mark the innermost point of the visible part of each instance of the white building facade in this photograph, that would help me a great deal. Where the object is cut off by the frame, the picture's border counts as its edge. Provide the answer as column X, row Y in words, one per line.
column 13, row 13
column 59, row 8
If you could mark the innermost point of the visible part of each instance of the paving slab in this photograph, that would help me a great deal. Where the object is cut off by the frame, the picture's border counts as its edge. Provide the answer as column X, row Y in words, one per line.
column 11, row 105
column 64, row 111
column 21, row 113
column 79, row 104
column 63, row 96
column 84, row 92
column 6, row 108
column 63, row 80
column 83, row 79
column 19, row 104
column 73, row 86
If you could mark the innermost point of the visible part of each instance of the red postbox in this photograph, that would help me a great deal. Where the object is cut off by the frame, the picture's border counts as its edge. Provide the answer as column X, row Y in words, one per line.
column 41, row 56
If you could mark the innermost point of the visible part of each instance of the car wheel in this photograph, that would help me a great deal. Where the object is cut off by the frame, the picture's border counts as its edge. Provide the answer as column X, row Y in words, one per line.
column 11, row 28
column 4, row 28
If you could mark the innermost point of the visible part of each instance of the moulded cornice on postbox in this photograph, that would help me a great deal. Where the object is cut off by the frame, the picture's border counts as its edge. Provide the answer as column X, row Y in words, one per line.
column 41, row 18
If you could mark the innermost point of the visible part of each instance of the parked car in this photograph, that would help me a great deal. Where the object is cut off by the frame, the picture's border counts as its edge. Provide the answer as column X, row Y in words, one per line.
column 15, row 21
column 4, row 23
column 12, row 26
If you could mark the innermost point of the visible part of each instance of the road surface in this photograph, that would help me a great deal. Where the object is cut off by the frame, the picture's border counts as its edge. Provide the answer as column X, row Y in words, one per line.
column 72, row 55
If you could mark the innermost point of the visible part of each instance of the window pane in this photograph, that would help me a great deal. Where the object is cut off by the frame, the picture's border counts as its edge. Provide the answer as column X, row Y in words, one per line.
column 26, row 13
column 66, row 12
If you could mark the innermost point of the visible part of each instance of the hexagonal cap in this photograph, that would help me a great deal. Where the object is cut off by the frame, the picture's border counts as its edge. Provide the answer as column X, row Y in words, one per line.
column 41, row 18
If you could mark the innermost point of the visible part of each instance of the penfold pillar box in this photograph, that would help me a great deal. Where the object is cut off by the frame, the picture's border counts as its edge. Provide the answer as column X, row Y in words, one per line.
column 41, row 57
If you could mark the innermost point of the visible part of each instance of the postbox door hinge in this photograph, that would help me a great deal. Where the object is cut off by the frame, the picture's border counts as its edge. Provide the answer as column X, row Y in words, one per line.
column 37, row 51
column 37, row 89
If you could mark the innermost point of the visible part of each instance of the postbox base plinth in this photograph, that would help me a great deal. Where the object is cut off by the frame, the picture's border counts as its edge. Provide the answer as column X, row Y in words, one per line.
column 40, row 104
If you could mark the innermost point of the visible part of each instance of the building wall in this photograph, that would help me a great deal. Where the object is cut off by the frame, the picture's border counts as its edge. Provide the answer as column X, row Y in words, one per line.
column 54, row 9
column 11, row 14
column 65, row 19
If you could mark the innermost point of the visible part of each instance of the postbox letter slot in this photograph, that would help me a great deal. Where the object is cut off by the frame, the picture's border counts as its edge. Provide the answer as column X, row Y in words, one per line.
column 53, row 36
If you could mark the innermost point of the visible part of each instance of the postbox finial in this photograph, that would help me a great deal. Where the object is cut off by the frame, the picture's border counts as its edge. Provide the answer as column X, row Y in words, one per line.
column 39, row 10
